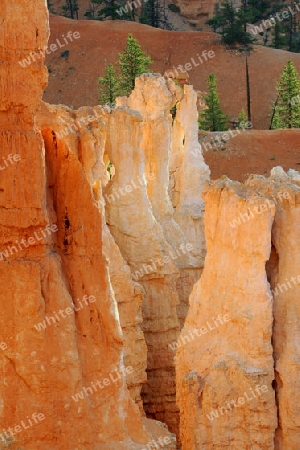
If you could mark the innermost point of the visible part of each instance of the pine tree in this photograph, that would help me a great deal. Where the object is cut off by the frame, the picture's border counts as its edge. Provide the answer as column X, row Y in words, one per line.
column 133, row 63
column 242, row 119
column 279, row 39
column 91, row 12
column 154, row 14
column 70, row 9
column 109, row 9
column 231, row 22
column 286, row 112
column 212, row 118
column 50, row 7
column 110, row 86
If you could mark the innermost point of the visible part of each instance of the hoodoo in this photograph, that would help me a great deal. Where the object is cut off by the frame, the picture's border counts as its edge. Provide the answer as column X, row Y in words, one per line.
column 143, row 305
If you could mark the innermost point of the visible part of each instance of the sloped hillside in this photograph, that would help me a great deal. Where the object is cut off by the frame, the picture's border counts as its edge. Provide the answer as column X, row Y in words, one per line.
column 73, row 74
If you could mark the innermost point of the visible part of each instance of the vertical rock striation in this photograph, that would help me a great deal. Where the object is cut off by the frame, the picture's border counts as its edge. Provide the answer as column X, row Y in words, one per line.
column 225, row 358
column 235, row 358
column 88, row 306
column 62, row 357
column 149, row 158
column 283, row 271
column 87, row 138
column 188, row 173
column 140, row 218
column 147, row 252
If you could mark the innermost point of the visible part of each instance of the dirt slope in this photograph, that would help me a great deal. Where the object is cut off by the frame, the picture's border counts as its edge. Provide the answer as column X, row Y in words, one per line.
column 176, row 20
column 73, row 80
column 254, row 151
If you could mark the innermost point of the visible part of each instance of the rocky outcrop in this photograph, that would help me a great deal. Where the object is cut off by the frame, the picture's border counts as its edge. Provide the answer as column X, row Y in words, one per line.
column 62, row 346
column 84, row 132
column 153, row 98
column 194, row 10
column 238, row 328
column 101, row 240
column 188, row 173
column 152, row 265
column 145, row 249
column 283, row 272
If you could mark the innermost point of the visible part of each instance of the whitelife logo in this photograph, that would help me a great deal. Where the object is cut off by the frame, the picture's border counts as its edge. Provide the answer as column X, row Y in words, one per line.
column 25, row 424
column 128, row 188
column 3, row 346
column 68, row 311
column 155, row 445
column 147, row 269
column 265, row 24
column 49, row 49
column 275, row 292
column 220, row 141
column 258, row 209
column 203, row 330
column 81, row 121
column 31, row 241
column 119, row 373
column 238, row 402
column 11, row 158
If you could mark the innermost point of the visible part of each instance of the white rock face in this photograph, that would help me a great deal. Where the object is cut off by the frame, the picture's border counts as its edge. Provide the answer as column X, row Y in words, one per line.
column 189, row 173
column 141, row 237
column 244, row 321
column 146, row 225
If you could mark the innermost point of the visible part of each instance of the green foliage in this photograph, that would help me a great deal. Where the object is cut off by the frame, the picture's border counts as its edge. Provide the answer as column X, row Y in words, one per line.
column 174, row 8
column 286, row 112
column 285, row 30
column 258, row 9
column 231, row 22
column 173, row 112
column 50, row 7
column 108, row 9
column 109, row 86
column 279, row 38
column 70, row 9
column 242, row 120
column 212, row 118
column 133, row 63
column 65, row 54
column 154, row 14
column 91, row 12
column 109, row 170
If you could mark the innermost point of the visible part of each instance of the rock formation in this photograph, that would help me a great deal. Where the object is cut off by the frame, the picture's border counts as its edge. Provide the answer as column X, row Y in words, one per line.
column 143, row 240
column 283, row 273
column 188, row 173
column 138, row 139
column 153, row 98
column 145, row 249
column 89, row 142
column 236, row 328
column 62, row 347
column 194, row 10
column 102, row 240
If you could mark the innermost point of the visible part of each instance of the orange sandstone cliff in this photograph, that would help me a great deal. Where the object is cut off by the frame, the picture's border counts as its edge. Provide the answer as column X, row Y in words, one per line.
column 102, row 247
column 152, row 266
column 63, row 362
column 237, row 355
